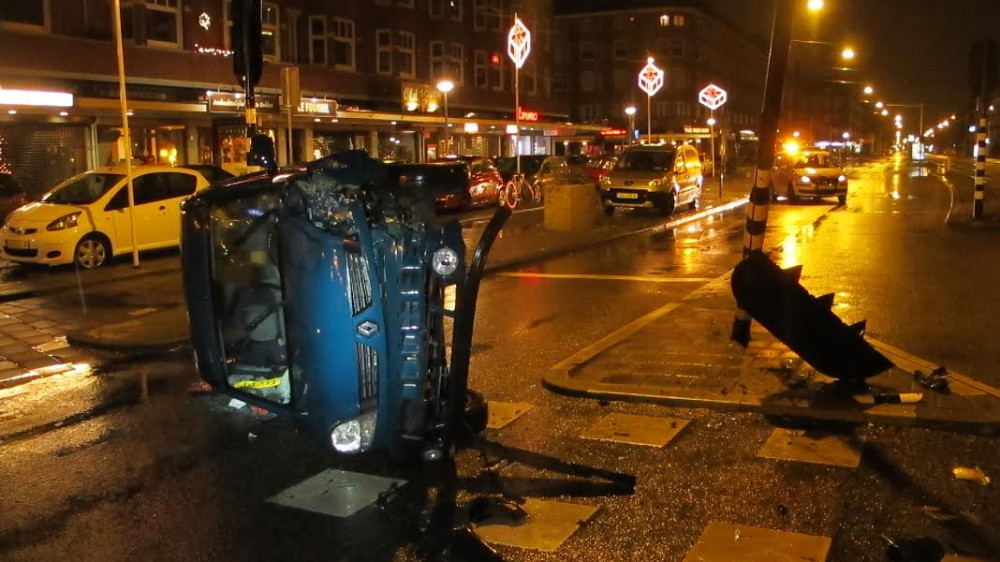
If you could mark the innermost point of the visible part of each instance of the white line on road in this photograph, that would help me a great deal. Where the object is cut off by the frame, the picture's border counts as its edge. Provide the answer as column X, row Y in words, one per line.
column 141, row 311
column 596, row 277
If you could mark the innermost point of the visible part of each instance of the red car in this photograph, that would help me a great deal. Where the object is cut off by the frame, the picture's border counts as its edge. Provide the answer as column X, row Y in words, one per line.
column 483, row 188
column 598, row 168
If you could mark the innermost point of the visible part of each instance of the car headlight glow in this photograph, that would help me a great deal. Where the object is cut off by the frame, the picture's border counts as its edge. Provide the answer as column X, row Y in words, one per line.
column 354, row 436
column 805, row 179
column 654, row 183
column 64, row 222
column 842, row 179
column 444, row 262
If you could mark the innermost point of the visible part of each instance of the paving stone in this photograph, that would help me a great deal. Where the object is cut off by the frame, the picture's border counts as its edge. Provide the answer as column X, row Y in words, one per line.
column 838, row 449
column 651, row 431
column 727, row 542
column 549, row 524
column 502, row 414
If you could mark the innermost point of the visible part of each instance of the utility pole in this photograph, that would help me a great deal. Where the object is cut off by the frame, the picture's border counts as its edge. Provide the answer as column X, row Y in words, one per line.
column 983, row 78
column 126, row 133
column 760, row 194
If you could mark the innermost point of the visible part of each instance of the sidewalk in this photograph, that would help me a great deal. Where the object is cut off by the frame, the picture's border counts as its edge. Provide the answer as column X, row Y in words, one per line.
column 681, row 355
column 522, row 241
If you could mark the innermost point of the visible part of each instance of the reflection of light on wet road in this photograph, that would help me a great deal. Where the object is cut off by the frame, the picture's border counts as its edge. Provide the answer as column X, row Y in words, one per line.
column 68, row 374
column 789, row 252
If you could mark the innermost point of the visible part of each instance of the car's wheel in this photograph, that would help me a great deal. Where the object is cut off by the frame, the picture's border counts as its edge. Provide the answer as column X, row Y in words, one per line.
column 695, row 203
column 609, row 210
column 792, row 198
column 667, row 208
column 842, row 199
column 91, row 252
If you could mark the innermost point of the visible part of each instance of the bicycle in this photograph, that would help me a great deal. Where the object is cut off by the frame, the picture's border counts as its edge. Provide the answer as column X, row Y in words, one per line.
column 519, row 190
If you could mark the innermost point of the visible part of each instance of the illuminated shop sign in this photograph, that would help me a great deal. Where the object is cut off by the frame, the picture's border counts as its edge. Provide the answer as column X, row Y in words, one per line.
column 230, row 102
column 526, row 115
column 36, row 98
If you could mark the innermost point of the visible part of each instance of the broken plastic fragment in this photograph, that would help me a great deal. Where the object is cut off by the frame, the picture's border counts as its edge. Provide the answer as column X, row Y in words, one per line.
column 236, row 403
column 935, row 380
column 971, row 474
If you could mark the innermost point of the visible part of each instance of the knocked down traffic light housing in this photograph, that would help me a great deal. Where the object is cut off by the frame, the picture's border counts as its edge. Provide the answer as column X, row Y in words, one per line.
column 806, row 324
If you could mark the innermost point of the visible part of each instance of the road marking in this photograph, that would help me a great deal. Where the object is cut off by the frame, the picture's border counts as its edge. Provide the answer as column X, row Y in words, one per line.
column 909, row 362
column 577, row 360
column 595, row 277
column 141, row 311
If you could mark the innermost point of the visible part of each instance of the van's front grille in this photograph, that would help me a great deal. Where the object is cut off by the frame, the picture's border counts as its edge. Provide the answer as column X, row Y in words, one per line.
column 367, row 359
column 358, row 283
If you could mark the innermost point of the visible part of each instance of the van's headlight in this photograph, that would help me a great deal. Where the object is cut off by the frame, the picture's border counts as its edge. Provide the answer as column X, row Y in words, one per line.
column 654, row 183
column 445, row 262
column 354, row 436
column 805, row 179
column 842, row 179
column 62, row 223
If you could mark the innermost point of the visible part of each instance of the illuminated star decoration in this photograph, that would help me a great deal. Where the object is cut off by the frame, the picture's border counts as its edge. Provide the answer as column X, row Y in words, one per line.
column 650, row 78
column 205, row 21
column 712, row 97
column 518, row 42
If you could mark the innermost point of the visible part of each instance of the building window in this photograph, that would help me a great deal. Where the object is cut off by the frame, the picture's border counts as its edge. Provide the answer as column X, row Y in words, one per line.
column 162, row 21
column 679, row 20
column 664, row 20
column 499, row 22
column 587, row 52
column 343, row 44
column 620, row 22
column 270, row 32
column 455, row 9
column 679, row 108
column 437, row 60
column 480, row 15
column 677, row 48
column 383, row 2
column 24, row 14
column 679, row 79
column 406, row 3
column 383, row 51
column 407, row 56
column 620, row 49
column 496, row 72
column 622, row 79
column 590, row 112
column 480, row 75
column 529, row 78
column 317, row 40
column 293, row 36
column 558, row 82
column 587, row 81
column 586, row 25
column 662, row 109
column 436, row 8
column 456, row 62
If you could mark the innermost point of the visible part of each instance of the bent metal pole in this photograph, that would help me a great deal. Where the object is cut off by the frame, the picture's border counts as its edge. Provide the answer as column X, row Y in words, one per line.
column 760, row 194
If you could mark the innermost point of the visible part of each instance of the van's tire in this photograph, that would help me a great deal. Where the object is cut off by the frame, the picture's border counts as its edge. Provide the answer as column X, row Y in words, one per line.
column 609, row 210
column 792, row 197
column 842, row 199
column 667, row 207
column 695, row 203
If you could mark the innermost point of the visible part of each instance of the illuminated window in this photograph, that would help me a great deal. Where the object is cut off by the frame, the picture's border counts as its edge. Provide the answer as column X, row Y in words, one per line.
column 496, row 72
column 480, row 65
column 317, row 40
column 25, row 15
column 269, row 34
column 664, row 21
column 679, row 20
column 455, row 9
column 343, row 44
column 406, row 54
column 383, row 51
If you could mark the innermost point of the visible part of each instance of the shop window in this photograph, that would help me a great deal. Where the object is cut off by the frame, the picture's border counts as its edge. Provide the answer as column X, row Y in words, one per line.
column 343, row 44
column 437, row 59
column 479, row 69
column 456, row 62
column 33, row 15
column 317, row 40
column 455, row 9
column 383, row 51
column 480, row 15
column 436, row 8
column 406, row 54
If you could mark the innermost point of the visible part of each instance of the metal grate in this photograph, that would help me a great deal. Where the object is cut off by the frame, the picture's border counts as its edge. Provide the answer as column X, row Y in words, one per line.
column 359, row 285
column 42, row 155
column 367, row 371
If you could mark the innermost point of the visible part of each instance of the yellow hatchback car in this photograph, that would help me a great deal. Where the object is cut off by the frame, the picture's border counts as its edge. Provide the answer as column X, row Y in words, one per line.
column 86, row 219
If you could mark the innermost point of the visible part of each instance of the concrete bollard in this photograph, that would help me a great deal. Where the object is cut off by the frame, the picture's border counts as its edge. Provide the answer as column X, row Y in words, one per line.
column 571, row 207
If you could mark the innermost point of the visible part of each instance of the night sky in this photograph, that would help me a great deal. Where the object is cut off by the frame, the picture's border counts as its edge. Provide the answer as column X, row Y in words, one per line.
column 913, row 51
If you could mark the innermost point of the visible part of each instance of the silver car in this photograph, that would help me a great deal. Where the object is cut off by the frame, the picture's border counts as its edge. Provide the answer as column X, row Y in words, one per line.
column 809, row 173
column 661, row 177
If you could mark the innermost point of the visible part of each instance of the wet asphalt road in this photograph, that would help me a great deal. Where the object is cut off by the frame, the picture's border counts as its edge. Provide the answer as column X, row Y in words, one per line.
column 121, row 463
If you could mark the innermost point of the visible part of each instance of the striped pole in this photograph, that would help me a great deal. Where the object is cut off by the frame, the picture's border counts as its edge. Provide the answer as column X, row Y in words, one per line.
column 760, row 194
column 977, row 209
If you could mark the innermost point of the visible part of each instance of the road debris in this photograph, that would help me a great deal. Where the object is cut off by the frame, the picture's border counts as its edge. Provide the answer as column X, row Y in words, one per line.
column 920, row 549
column 971, row 474
column 935, row 380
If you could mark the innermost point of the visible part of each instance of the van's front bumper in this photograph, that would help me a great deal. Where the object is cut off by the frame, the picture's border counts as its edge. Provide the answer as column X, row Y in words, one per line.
column 626, row 197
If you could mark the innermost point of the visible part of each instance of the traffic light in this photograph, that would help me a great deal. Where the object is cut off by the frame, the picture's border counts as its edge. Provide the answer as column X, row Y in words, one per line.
column 248, row 58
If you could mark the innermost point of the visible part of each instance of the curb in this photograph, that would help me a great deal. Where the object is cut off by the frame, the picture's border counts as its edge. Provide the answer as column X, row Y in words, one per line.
column 81, row 338
column 27, row 293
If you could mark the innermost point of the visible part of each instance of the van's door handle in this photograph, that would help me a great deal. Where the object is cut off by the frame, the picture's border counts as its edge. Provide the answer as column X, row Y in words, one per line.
column 162, row 208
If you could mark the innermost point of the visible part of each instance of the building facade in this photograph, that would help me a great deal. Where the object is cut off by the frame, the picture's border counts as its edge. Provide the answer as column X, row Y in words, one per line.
column 367, row 70
column 608, row 43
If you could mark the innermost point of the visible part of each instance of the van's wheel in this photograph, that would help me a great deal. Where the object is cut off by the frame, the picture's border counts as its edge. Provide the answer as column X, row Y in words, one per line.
column 842, row 199
column 476, row 416
column 609, row 210
column 695, row 203
column 91, row 252
column 792, row 197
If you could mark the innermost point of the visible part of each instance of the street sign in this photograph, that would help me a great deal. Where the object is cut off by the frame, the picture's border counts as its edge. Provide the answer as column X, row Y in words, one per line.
column 518, row 42
column 248, row 58
column 712, row 97
column 650, row 78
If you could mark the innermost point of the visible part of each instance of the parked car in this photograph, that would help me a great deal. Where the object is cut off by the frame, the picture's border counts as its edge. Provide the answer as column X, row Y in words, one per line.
column 12, row 194
column 809, row 173
column 86, row 219
column 210, row 172
column 598, row 168
column 482, row 186
column 654, row 176
column 707, row 166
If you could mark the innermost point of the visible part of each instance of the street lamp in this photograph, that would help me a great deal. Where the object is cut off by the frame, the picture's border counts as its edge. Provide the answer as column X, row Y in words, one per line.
column 630, row 111
column 444, row 87
column 847, row 54
column 814, row 5
column 518, row 48
column 869, row 90
column 879, row 105
column 885, row 112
